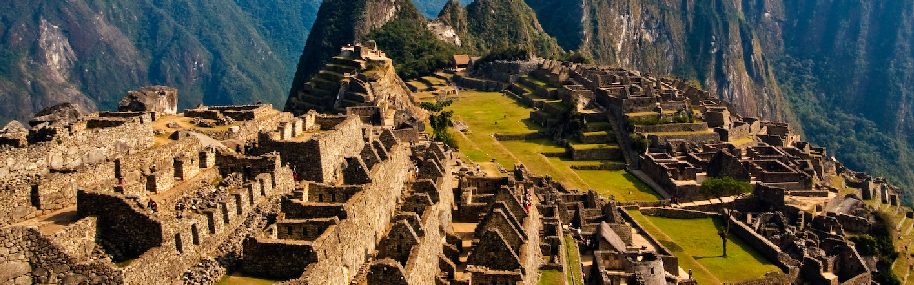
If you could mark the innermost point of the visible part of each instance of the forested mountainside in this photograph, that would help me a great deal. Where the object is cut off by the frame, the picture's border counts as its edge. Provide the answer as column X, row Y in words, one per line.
column 92, row 52
column 401, row 30
column 840, row 70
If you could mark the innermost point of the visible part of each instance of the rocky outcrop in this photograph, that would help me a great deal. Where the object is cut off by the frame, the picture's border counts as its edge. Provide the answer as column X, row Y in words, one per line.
column 160, row 99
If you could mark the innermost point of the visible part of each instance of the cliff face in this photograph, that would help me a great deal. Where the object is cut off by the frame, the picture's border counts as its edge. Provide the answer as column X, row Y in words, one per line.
column 92, row 52
column 707, row 41
column 840, row 70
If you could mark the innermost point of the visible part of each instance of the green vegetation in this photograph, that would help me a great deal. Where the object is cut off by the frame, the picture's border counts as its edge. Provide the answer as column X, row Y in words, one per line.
column 507, row 53
column 725, row 186
column 855, row 140
column 439, row 121
column 698, row 247
column 639, row 143
column 414, row 49
column 878, row 242
column 507, row 24
column 572, row 262
column 488, row 113
column 551, row 277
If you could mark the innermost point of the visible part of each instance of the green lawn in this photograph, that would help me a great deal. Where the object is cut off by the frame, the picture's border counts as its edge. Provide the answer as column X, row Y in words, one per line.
column 550, row 277
column 572, row 262
column 696, row 243
column 481, row 110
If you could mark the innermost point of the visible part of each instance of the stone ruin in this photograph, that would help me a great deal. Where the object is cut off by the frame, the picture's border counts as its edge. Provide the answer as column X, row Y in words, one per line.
column 354, row 192
column 154, row 99
column 804, row 207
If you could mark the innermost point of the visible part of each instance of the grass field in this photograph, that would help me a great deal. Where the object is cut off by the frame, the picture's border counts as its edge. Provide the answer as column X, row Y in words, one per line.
column 699, row 248
column 487, row 113
column 550, row 277
column 573, row 262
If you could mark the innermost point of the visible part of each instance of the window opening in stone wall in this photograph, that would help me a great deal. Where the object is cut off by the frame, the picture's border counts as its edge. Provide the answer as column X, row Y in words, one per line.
column 178, row 245
column 195, row 234
column 34, row 198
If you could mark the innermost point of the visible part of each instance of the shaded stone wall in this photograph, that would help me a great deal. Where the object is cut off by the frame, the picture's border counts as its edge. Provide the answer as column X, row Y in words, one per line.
column 370, row 211
column 422, row 267
column 29, row 257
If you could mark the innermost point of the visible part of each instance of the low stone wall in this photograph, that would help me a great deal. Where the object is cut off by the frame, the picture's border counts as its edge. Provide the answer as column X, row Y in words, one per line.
column 596, row 154
column 808, row 193
column 601, row 166
column 519, row 137
column 479, row 84
column 695, row 138
column 771, row 251
column 674, row 213
column 29, row 257
column 672, row 128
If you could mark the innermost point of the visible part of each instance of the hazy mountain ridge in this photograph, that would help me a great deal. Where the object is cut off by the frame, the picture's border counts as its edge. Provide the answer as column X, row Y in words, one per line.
column 92, row 52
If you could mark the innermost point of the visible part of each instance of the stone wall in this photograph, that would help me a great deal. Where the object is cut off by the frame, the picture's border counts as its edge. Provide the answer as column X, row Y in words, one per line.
column 672, row 128
column 479, row 84
column 369, row 213
column 28, row 257
column 771, row 251
column 422, row 267
column 674, row 213
column 604, row 153
column 44, row 177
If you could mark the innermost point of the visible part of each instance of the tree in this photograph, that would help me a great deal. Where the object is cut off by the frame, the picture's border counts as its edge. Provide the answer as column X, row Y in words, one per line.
column 722, row 187
column 440, row 120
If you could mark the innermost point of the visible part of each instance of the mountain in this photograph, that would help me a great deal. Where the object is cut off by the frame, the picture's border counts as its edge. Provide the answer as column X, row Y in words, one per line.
column 839, row 70
column 431, row 8
column 405, row 34
column 93, row 52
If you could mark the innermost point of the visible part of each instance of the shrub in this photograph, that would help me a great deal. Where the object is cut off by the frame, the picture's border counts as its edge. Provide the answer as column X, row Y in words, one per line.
column 725, row 186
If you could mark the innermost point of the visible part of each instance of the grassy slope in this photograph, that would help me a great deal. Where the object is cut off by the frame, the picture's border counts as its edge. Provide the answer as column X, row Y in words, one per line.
column 698, row 247
column 573, row 262
column 481, row 110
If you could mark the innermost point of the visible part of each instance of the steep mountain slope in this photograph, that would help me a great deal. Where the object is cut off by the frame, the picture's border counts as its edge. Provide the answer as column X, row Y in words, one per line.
column 341, row 22
column 92, row 52
column 844, row 67
column 501, row 24
column 707, row 41
column 402, row 31
column 849, row 69
column 431, row 8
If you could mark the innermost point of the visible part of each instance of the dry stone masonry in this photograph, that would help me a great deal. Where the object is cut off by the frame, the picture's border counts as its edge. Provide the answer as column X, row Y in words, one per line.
column 347, row 188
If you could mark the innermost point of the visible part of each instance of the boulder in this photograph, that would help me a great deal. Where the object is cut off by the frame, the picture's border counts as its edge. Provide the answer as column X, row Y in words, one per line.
column 159, row 99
